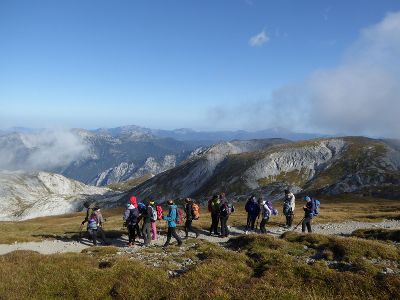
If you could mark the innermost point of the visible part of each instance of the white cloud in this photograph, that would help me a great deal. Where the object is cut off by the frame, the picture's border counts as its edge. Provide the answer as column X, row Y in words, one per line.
column 43, row 150
column 359, row 96
column 259, row 39
column 362, row 94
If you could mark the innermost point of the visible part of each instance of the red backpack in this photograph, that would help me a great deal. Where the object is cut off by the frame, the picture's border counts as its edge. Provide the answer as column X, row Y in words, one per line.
column 159, row 212
column 179, row 216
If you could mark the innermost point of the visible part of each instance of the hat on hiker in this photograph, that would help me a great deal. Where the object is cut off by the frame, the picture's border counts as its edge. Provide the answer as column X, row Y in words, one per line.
column 96, row 208
column 287, row 191
column 133, row 200
column 306, row 198
column 170, row 202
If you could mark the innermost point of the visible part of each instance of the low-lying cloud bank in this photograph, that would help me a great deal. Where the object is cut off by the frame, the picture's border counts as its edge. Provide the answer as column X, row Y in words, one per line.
column 359, row 96
column 43, row 150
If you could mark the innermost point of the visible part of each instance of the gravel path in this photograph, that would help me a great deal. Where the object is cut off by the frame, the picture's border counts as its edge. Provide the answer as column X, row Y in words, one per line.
column 60, row 246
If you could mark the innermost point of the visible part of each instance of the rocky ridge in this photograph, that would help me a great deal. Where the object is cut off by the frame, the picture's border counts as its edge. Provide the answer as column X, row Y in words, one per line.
column 327, row 166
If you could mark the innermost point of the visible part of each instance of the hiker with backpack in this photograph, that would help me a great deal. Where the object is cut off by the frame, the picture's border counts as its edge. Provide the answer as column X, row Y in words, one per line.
column 172, row 218
column 133, row 201
column 266, row 213
column 130, row 222
column 142, row 212
column 253, row 210
column 95, row 224
column 289, row 205
column 147, row 216
column 213, row 208
column 192, row 212
column 309, row 209
column 153, row 220
column 225, row 210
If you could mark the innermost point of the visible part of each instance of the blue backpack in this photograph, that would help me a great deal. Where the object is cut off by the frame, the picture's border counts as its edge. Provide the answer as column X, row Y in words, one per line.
column 317, row 205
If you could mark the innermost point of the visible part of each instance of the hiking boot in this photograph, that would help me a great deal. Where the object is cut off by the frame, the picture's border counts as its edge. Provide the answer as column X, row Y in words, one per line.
column 197, row 235
column 180, row 244
column 130, row 244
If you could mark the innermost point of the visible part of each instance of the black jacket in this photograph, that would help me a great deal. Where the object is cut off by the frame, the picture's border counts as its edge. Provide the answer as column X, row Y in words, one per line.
column 188, row 211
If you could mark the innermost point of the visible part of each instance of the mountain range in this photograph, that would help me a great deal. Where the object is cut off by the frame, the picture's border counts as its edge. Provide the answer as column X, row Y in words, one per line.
column 110, row 155
column 320, row 166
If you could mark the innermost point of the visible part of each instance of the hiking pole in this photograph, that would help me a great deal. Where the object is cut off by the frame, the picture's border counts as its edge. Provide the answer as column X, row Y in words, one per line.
column 298, row 224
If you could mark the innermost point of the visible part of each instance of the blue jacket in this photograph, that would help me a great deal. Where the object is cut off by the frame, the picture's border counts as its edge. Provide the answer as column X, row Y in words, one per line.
column 252, row 207
column 309, row 209
column 172, row 214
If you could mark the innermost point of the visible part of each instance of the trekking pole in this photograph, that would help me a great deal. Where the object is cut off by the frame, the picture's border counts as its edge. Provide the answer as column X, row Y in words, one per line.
column 298, row 224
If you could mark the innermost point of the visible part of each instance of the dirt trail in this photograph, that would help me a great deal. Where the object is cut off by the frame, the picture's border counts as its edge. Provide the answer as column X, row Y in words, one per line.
column 62, row 246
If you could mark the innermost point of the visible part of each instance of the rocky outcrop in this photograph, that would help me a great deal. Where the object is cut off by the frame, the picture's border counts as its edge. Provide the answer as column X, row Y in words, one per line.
column 126, row 171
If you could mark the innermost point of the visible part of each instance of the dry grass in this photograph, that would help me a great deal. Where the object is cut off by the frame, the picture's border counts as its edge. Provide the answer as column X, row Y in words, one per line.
column 261, row 267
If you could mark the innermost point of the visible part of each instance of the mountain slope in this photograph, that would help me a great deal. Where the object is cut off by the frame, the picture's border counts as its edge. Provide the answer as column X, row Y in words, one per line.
column 329, row 166
column 26, row 195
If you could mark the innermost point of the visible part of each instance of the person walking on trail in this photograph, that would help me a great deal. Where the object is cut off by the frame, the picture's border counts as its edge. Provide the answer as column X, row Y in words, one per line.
column 308, row 208
column 213, row 208
column 147, row 217
column 171, row 218
column 288, row 208
column 253, row 210
column 265, row 215
column 189, row 211
column 95, row 225
column 133, row 201
column 130, row 221
column 225, row 210
column 153, row 221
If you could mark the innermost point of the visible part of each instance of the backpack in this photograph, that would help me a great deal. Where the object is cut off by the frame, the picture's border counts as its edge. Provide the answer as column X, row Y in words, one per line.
column 317, row 205
column 154, row 214
column 215, row 206
column 226, row 209
column 179, row 216
column 287, row 209
column 132, row 219
column 159, row 212
column 274, row 211
column 92, row 222
column 142, row 208
column 195, row 211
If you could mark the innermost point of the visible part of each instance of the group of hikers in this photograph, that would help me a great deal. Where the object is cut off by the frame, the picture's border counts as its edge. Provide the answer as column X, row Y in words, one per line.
column 140, row 218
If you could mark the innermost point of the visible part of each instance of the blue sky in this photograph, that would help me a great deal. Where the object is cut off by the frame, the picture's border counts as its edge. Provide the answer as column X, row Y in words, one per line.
column 171, row 64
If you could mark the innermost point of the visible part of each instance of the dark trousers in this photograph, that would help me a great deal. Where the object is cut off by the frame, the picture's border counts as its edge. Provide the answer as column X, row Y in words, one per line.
column 214, row 223
column 289, row 220
column 189, row 228
column 172, row 233
column 262, row 225
column 139, row 230
column 147, row 233
column 132, row 233
column 306, row 223
column 224, row 226
column 93, row 235
column 251, row 220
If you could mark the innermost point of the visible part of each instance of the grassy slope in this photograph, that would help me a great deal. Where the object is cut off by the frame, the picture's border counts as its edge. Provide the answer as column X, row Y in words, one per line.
column 261, row 267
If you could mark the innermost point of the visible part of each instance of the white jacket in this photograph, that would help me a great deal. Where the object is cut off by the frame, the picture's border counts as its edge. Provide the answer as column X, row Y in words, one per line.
column 292, row 200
